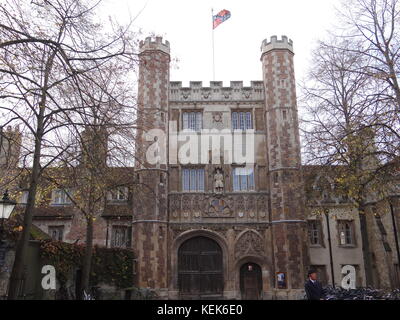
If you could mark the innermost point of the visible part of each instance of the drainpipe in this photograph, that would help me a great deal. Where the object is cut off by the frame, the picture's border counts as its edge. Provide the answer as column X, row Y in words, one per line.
column 395, row 233
column 326, row 211
column 108, row 222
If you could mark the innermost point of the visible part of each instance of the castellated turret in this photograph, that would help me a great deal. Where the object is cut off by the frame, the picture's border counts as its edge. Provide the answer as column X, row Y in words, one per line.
column 154, row 64
column 149, row 227
column 10, row 147
column 157, row 44
column 274, row 43
column 283, row 153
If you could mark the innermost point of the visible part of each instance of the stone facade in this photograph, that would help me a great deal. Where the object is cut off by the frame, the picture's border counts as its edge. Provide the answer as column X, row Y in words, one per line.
column 260, row 225
column 264, row 225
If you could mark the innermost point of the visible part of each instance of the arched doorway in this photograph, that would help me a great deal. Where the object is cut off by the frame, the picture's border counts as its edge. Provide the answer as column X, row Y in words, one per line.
column 200, row 268
column 250, row 281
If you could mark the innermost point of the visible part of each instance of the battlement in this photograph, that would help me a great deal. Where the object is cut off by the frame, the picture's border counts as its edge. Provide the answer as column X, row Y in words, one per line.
column 216, row 91
column 274, row 43
column 10, row 130
column 151, row 44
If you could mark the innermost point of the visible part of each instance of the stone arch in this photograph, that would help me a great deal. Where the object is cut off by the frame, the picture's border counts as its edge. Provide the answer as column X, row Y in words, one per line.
column 266, row 275
column 249, row 242
column 250, row 281
column 183, row 237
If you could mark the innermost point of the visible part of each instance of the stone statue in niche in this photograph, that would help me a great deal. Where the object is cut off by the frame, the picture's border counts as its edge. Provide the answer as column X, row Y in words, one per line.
column 218, row 181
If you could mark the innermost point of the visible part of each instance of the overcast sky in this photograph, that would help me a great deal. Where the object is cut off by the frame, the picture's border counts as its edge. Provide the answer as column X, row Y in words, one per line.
column 186, row 24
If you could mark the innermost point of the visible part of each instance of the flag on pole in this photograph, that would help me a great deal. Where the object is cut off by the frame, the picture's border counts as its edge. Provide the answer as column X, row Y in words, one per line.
column 220, row 17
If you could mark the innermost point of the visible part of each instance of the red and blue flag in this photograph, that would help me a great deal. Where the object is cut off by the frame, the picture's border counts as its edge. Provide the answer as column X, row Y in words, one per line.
column 220, row 17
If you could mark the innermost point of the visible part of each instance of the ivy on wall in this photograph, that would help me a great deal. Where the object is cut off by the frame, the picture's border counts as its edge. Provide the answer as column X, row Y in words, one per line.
column 112, row 266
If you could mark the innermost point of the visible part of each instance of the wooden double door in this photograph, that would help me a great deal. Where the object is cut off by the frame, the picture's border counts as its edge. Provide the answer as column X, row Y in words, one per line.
column 200, row 269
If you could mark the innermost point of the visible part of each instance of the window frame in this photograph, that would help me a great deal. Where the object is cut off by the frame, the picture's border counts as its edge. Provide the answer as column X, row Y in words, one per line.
column 118, row 191
column 242, row 120
column 250, row 184
column 196, row 120
column 51, row 229
column 195, row 173
column 320, row 242
column 341, row 225
column 64, row 197
column 127, row 234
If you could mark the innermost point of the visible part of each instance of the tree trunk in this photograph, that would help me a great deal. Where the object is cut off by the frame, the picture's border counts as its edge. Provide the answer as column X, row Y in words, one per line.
column 366, row 247
column 18, row 270
column 17, row 273
column 87, row 262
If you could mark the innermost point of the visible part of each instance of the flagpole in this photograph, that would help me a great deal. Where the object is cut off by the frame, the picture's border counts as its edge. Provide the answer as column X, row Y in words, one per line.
column 213, row 47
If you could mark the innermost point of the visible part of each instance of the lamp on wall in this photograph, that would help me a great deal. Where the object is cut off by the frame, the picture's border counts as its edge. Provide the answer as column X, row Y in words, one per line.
column 6, row 207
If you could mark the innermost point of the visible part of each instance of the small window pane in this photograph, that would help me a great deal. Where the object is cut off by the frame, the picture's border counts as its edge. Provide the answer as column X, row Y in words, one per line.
column 56, row 233
column 243, row 179
column 185, row 120
column 193, row 180
column 249, row 124
column 241, row 120
column 200, row 177
column 186, row 180
column 192, row 121
column 251, row 179
column 236, row 185
column 121, row 236
column 235, row 121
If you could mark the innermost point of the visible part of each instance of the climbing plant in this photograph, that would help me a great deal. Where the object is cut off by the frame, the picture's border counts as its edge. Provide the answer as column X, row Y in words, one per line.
column 112, row 266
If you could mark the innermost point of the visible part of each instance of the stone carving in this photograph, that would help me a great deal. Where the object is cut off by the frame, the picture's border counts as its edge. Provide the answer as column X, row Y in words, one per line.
column 250, row 206
column 240, row 208
column 217, row 117
column 186, row 205
column 218, row 208
column 185, row 94
column 246, row 94
column 217, row 205
column 198, row 206
column 250, row 243
column 218, row 181
column 175, row 206
column 262, row 206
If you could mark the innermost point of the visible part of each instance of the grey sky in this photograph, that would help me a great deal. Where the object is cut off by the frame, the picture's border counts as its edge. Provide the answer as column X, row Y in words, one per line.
column 187, row 25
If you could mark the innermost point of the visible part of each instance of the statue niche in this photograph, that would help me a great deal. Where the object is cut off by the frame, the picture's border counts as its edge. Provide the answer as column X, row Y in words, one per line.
column 218, row 181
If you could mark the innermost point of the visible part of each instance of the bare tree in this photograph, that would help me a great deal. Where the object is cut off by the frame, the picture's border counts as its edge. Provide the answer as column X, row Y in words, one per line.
column 373, row 29
column 342, row 127
column 50, row 51
column 352, row 97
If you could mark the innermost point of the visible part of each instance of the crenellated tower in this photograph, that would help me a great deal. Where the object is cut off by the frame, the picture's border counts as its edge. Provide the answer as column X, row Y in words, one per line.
column 150, row 213
column 283, row 153
column 10, row 147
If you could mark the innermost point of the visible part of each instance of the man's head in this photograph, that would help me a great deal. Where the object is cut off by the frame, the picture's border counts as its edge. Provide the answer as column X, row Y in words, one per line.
column 312, row 274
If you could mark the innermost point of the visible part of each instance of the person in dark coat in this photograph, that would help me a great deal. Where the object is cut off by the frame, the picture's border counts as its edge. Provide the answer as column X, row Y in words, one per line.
column 313, row 287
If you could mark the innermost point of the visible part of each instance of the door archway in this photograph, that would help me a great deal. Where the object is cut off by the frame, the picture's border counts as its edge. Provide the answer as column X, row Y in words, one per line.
column 200, row 268
column 250, row 281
